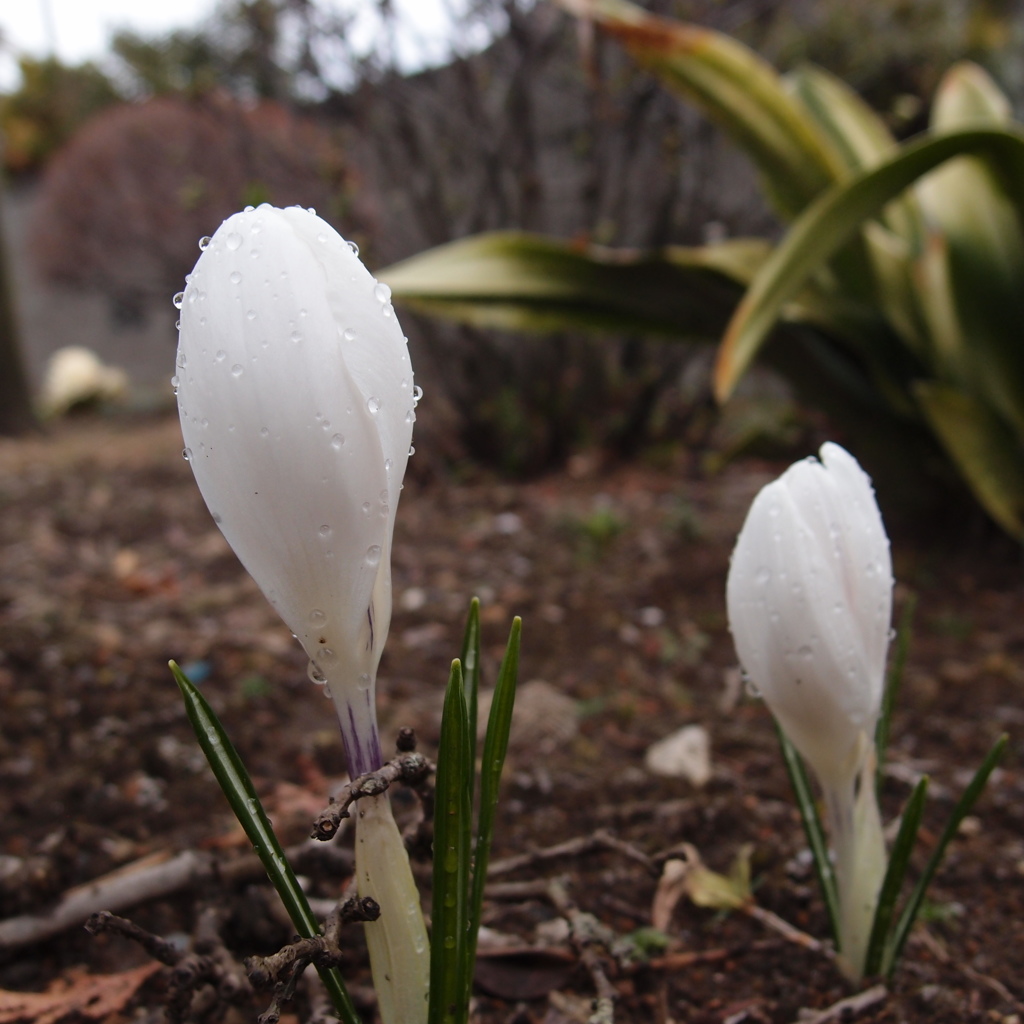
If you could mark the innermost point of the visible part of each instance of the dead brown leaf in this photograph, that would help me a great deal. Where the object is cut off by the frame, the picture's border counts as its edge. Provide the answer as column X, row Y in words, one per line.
column 93, row 996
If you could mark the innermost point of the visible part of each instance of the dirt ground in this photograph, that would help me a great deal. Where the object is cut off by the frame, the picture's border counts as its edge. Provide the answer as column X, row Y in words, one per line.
column 110, row 565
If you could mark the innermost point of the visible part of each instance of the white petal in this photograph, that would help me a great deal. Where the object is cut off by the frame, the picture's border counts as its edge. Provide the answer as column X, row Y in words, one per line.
column 809, row 599
column 298, row 433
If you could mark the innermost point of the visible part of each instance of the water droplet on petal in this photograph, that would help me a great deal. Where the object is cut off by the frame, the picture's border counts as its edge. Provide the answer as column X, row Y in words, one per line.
column 366, row 508
column 317, row 617
column 233, row 241
column 249, row 209
column 325, row 531
column 337, row 441
column 295, row 337
column 387, row 465
column 250, row 314
column 235, row 277
column 387, row 309
column 412, row 450
column 363, row 683
column 763, row 575
column 204, row 242
column 178, row 300
column 186, row 454
column 373, row 554
column 220, row 355
column 373, row 404
column 417, row 394
column 237, row 370
column 381, row 292
column 353, row 247
column 264, row 432
column 175, row 381
column 315, row 675
column 348, row 334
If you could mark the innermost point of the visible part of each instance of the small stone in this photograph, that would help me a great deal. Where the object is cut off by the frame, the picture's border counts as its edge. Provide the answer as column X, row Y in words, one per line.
column 685, row 754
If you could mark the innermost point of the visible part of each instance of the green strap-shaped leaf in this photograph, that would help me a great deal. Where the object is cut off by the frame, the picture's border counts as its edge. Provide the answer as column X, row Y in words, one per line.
column 960, row 811
column 834, row 218
column 893, row 881
column 449, row 913
column 521, row 281
column 499, row 724
column 813, row 829
column 988, row 455
column 469, row 658
column 734, row 86
column 236, row 785
column 893, row 683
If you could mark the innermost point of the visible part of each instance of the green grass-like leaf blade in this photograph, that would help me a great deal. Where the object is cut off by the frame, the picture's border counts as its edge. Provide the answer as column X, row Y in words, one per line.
column 893, row 682
column 812, row 829
column 499, row 725
column 893, row 881
column 470, row 660
column 449, row 1002
column 236, row 785
column 960, row 811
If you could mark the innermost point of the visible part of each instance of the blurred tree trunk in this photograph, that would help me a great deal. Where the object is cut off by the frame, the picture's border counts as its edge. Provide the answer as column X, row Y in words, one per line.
column 16, row 415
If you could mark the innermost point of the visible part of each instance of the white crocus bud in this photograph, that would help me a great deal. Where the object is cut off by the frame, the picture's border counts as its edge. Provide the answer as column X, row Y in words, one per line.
column 810, row 601
column 297, row 401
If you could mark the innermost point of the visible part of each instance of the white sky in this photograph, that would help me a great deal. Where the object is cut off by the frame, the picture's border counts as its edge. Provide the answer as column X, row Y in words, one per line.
column 81, row 29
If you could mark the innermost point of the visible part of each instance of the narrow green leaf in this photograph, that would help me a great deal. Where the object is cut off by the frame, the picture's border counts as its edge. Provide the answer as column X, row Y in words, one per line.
column 833, row 219
column 236, row 785
column 449, row 1002
column 812, row 829
column 893, row 881
column 499, row 724
column 470, row 659
column 960, row 811
column 893, row 682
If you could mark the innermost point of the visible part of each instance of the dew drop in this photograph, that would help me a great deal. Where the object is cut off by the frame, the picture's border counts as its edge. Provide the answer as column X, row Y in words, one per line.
column 250, row 314
column 237, row 370
column 325, row 531
column 220, row 355
column 235, row 277
column 366, row 508
column 178, row 300
column 381, row 292
column 337, row 441
column 806, row 652
column 373, row 404
column 233, row 241
column 315, row 675
column 175, row 381
column 373, row 554
column 387, row 465
column 353, row 247
column 749, row 685
column 417, row 394
column 186, row 454
column 204, row 242
column 348, row 334
column 295, row 337
column 387, row 309
column 363, row 683
column 763, row 575
column 412, row 451
column 317, row 617
column 177, row 325
column 248, row 209
column 264, row 432
column 182, row 359
column 321, row 237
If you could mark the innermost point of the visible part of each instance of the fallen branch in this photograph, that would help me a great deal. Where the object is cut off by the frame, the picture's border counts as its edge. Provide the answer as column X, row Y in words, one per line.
column 847, row 1009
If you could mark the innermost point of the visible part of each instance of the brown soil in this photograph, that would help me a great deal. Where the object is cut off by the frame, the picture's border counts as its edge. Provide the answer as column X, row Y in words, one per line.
column 111, row 565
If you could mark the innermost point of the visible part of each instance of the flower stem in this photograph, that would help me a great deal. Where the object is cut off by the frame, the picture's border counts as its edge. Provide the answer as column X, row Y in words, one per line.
column 856, row 829
column 397, row 941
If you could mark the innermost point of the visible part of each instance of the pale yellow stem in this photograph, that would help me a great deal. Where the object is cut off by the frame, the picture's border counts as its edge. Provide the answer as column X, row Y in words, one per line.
column 397, row 941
